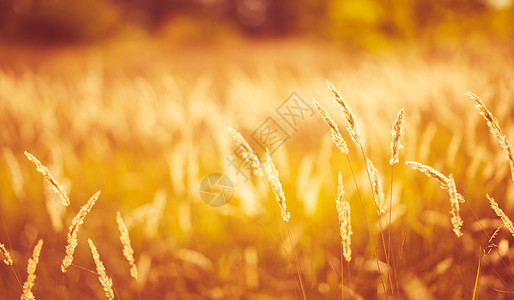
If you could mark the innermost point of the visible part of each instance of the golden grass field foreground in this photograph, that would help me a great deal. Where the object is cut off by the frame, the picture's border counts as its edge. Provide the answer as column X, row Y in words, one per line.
column 146, row 137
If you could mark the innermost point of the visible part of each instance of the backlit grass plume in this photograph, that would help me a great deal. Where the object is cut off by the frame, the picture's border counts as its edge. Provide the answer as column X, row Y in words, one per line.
column 31, row 271
column 8, row 260
column 276, row 186
column 490, row 242
column 495, row 129
column 343, row 215
column 376, row 185
column 396, row 134
column 74, row 229
column 58, row 188
column 499, row 212
column 128, row 252
column 334, row 130
column 431, row 172
column 247, row 152
column 455, row 211
column 105, row 280
column 350, row 117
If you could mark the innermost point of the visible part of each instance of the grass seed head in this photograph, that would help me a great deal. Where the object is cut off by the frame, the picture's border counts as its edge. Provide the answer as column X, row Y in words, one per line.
column 334, row 130
column 247, row 152
column 438, row 176
column 105, row 280
column 343, row 216
column 73, row 231
column 58, row 188
column 455, row 211
column 347, row 112
column 31, row 271
column 128, row 252
column 495, row 129
column 396, row 134
column 376, row 184
column 8, row 260
column 499, row 212
column 276, row 186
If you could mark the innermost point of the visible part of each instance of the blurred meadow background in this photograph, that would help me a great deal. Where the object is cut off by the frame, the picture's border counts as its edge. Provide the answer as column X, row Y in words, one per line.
column 133, row 98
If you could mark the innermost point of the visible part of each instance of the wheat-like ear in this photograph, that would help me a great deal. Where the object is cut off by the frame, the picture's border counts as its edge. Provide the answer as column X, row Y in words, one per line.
column 376, row 185
column 247, row 152
column 396, row 134
column 31, row 271
column 8, row 260
column 431, row 172
column 105, row 280
column 334, row 130
column 499, row 212
column 455, row 211
column 276, row 186
column 347, row 112
column 128, row 252
column 343, row 215
column 58, row 188
column 495, row 129
column 74, row 229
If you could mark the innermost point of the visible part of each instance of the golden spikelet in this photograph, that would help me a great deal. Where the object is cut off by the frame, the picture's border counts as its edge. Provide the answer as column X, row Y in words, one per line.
column 105, row 280
column 343, row 215
column 276, row 186
column 376, row 185
column 490, row 242
column 396, row 134
column 31, row 271
column 455, row 211
column 58, row 188
column 499, row 212
column 8, row 260
column 495, row 129
column 74, row 229
column 247, row 152
column 128, row 252
column 334, row 130
column 350, row 117
column 431, row 172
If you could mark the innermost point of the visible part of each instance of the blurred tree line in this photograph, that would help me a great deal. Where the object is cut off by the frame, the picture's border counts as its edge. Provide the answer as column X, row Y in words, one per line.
column 362, row 23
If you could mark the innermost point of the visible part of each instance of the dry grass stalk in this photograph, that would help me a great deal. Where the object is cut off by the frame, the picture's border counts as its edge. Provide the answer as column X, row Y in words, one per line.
column 8, row 260
column 276, row 186
column 74, row 229
column 376, row 185
column 343, row 215
column 58, row 188
column 495, row 129
column 31, row 270
column 431, row 172
column 499, row 212
column 128, row 252
column 350, row 117
column 105, row 280
column 334, row 130
column 397, row 133
column 455, row 212
column 247, row 152
column 490, row 242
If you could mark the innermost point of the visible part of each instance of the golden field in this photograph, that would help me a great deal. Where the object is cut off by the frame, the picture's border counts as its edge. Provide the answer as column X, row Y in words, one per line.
column 144, row 127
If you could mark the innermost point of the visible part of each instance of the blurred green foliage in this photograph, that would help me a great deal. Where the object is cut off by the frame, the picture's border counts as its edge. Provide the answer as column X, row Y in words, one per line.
column 364, row 24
